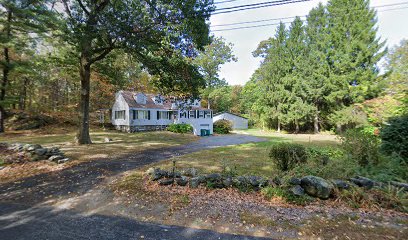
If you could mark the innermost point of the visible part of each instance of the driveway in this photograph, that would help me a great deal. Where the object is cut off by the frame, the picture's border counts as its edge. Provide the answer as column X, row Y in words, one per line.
column 26, row 211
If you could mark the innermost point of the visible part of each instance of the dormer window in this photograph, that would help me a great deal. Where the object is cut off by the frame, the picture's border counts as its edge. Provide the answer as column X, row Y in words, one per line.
column 140, row 98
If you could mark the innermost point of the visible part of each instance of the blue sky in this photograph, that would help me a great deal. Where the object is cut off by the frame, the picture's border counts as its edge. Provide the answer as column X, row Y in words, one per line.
column 393, row 27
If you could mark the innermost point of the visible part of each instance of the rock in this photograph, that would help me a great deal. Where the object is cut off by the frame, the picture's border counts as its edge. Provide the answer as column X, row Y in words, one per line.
column 240, row 181
column 227, row 182
column 158, row 174
column 182, row 181
column 189, row 172
column 107, row 140
column 297, row 190
column 55, row 158
column 254, row 181
column 400, row 185
column 33, row 147
column 38, row 157
column 2, row 167
column 40, row 151
column 276, row 181
column 213, row 177
column 149, row 171
column 176, row 174
column 294, row 181
column 363, row 182
column 18, row 147
column 63, row 160
column 196, row 181
column 53, row 151
column 317, row 187
column 340, row 184
column 166, row 181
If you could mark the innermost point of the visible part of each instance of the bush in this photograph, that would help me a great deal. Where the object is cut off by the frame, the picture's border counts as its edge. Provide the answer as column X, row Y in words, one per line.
column 361, row 146
column 278, row 192
column 395, row 137
column 222, row 126
column 287, row 155
column 180, row 128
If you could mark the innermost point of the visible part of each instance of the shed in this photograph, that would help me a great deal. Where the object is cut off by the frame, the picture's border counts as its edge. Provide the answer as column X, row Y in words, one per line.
column 238, row 122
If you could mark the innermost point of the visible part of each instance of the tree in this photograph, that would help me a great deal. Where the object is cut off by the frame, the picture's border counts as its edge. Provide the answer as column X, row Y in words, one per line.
column 159, row 34
column 209, row 62
column 355, row 49
column 22, row 21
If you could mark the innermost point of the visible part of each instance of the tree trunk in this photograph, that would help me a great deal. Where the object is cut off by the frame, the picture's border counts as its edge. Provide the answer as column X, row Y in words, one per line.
column 297, row 126
column 316, row 123
column 208, row 104
column 85, row 73
column 338, row 128
column 6, row 71
column 279, row 126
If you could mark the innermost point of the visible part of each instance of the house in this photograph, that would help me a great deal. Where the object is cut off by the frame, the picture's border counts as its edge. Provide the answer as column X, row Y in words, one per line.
column 136, row 111
column 238, row 122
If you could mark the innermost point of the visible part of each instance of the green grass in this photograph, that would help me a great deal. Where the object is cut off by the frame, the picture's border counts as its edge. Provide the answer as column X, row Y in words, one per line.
column 245, row 159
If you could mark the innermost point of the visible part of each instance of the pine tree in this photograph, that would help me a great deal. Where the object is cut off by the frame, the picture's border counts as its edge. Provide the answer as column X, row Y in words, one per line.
column 355, row 50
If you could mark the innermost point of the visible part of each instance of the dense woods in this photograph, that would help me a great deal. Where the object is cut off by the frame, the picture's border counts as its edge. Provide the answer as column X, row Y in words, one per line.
column 322, row 74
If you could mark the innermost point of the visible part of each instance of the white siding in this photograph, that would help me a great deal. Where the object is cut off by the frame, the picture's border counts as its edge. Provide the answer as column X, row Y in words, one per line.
column 146, row 122
column 120, row 105
column 238, row 122
column 197, row 123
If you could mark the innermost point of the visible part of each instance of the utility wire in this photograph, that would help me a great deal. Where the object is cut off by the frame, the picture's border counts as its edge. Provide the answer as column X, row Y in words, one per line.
column 262, row 6
column 252, row 5
column 284, row 18
column 227, row 1
column 274, row 24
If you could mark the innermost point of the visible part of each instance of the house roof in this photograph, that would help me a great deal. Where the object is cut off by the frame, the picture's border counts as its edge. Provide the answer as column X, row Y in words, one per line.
column 130, row 100
column 229, row 113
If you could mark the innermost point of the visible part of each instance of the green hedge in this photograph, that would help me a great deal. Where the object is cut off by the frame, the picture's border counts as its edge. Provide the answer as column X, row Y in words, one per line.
column 222, row 126
column 180, row 128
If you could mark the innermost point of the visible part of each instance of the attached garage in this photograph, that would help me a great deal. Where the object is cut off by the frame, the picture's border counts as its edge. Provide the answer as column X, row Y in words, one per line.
column 238, row 122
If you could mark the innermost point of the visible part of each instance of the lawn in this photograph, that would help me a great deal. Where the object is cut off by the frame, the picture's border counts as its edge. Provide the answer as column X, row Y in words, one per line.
column 246, row 159
column 121, row 144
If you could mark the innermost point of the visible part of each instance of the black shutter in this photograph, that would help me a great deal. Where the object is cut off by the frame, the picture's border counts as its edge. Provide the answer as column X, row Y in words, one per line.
column 137, row 114
column 188, row 114
column 158, row 115
column 197, row 114
column 204, row 113
column 148, row 114
column 211, row 114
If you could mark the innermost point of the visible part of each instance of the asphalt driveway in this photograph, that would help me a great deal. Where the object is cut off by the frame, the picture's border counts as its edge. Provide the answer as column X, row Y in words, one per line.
column 26, row 214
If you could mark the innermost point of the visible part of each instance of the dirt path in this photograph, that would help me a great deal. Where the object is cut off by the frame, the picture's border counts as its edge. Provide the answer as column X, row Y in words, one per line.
column 28, row 208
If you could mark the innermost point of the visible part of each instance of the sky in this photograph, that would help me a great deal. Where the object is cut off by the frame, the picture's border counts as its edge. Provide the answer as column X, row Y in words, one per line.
column 392, row 27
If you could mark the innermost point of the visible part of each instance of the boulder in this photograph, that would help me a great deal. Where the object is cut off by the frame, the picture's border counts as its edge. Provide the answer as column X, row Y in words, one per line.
column 63, row 160
column 166, row 181
column 317, row 187
column 32, row 147
column 55, row 158
column 363, row 182
column 400, row 185
column 158, row 174
column 196, row 181
column 40, row 151
column 276, row 181
column 227, row 182
column 107, row 140
column 176, row 174
column 213, row 177
column 189, row 172
column 294, row 181
column 297, row 190
column 340, row 184
column 182, row 181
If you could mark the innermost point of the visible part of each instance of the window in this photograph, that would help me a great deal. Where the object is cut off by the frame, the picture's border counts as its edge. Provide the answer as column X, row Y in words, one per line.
column 120, row 114
column 200, row 114
column 163, row 115
column 207, row 114
column 141, row 114
column 192, row 114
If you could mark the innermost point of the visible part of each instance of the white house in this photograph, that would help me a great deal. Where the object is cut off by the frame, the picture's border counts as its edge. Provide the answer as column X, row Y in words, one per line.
column 238, row 122
column 136, row 111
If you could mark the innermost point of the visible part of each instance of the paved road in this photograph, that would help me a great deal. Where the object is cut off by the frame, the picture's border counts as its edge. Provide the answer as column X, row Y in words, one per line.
column 24, row 213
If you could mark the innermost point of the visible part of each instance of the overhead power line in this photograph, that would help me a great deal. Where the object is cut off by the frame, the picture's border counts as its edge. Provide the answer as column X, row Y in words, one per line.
column 252, row 5
column 226, row 1
column 274, row 24
column 276, row 3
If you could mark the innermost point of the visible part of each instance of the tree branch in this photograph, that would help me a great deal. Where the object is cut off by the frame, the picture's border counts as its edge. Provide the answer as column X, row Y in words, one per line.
column 101, row 56
column 83, row 7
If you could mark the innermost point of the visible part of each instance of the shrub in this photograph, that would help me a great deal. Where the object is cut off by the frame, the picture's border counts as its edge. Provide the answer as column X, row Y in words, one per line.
column 222, row 126
column 361, row 146
column 180, row 128
column 278, row 192
column 287, row 155
column 395, row 137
